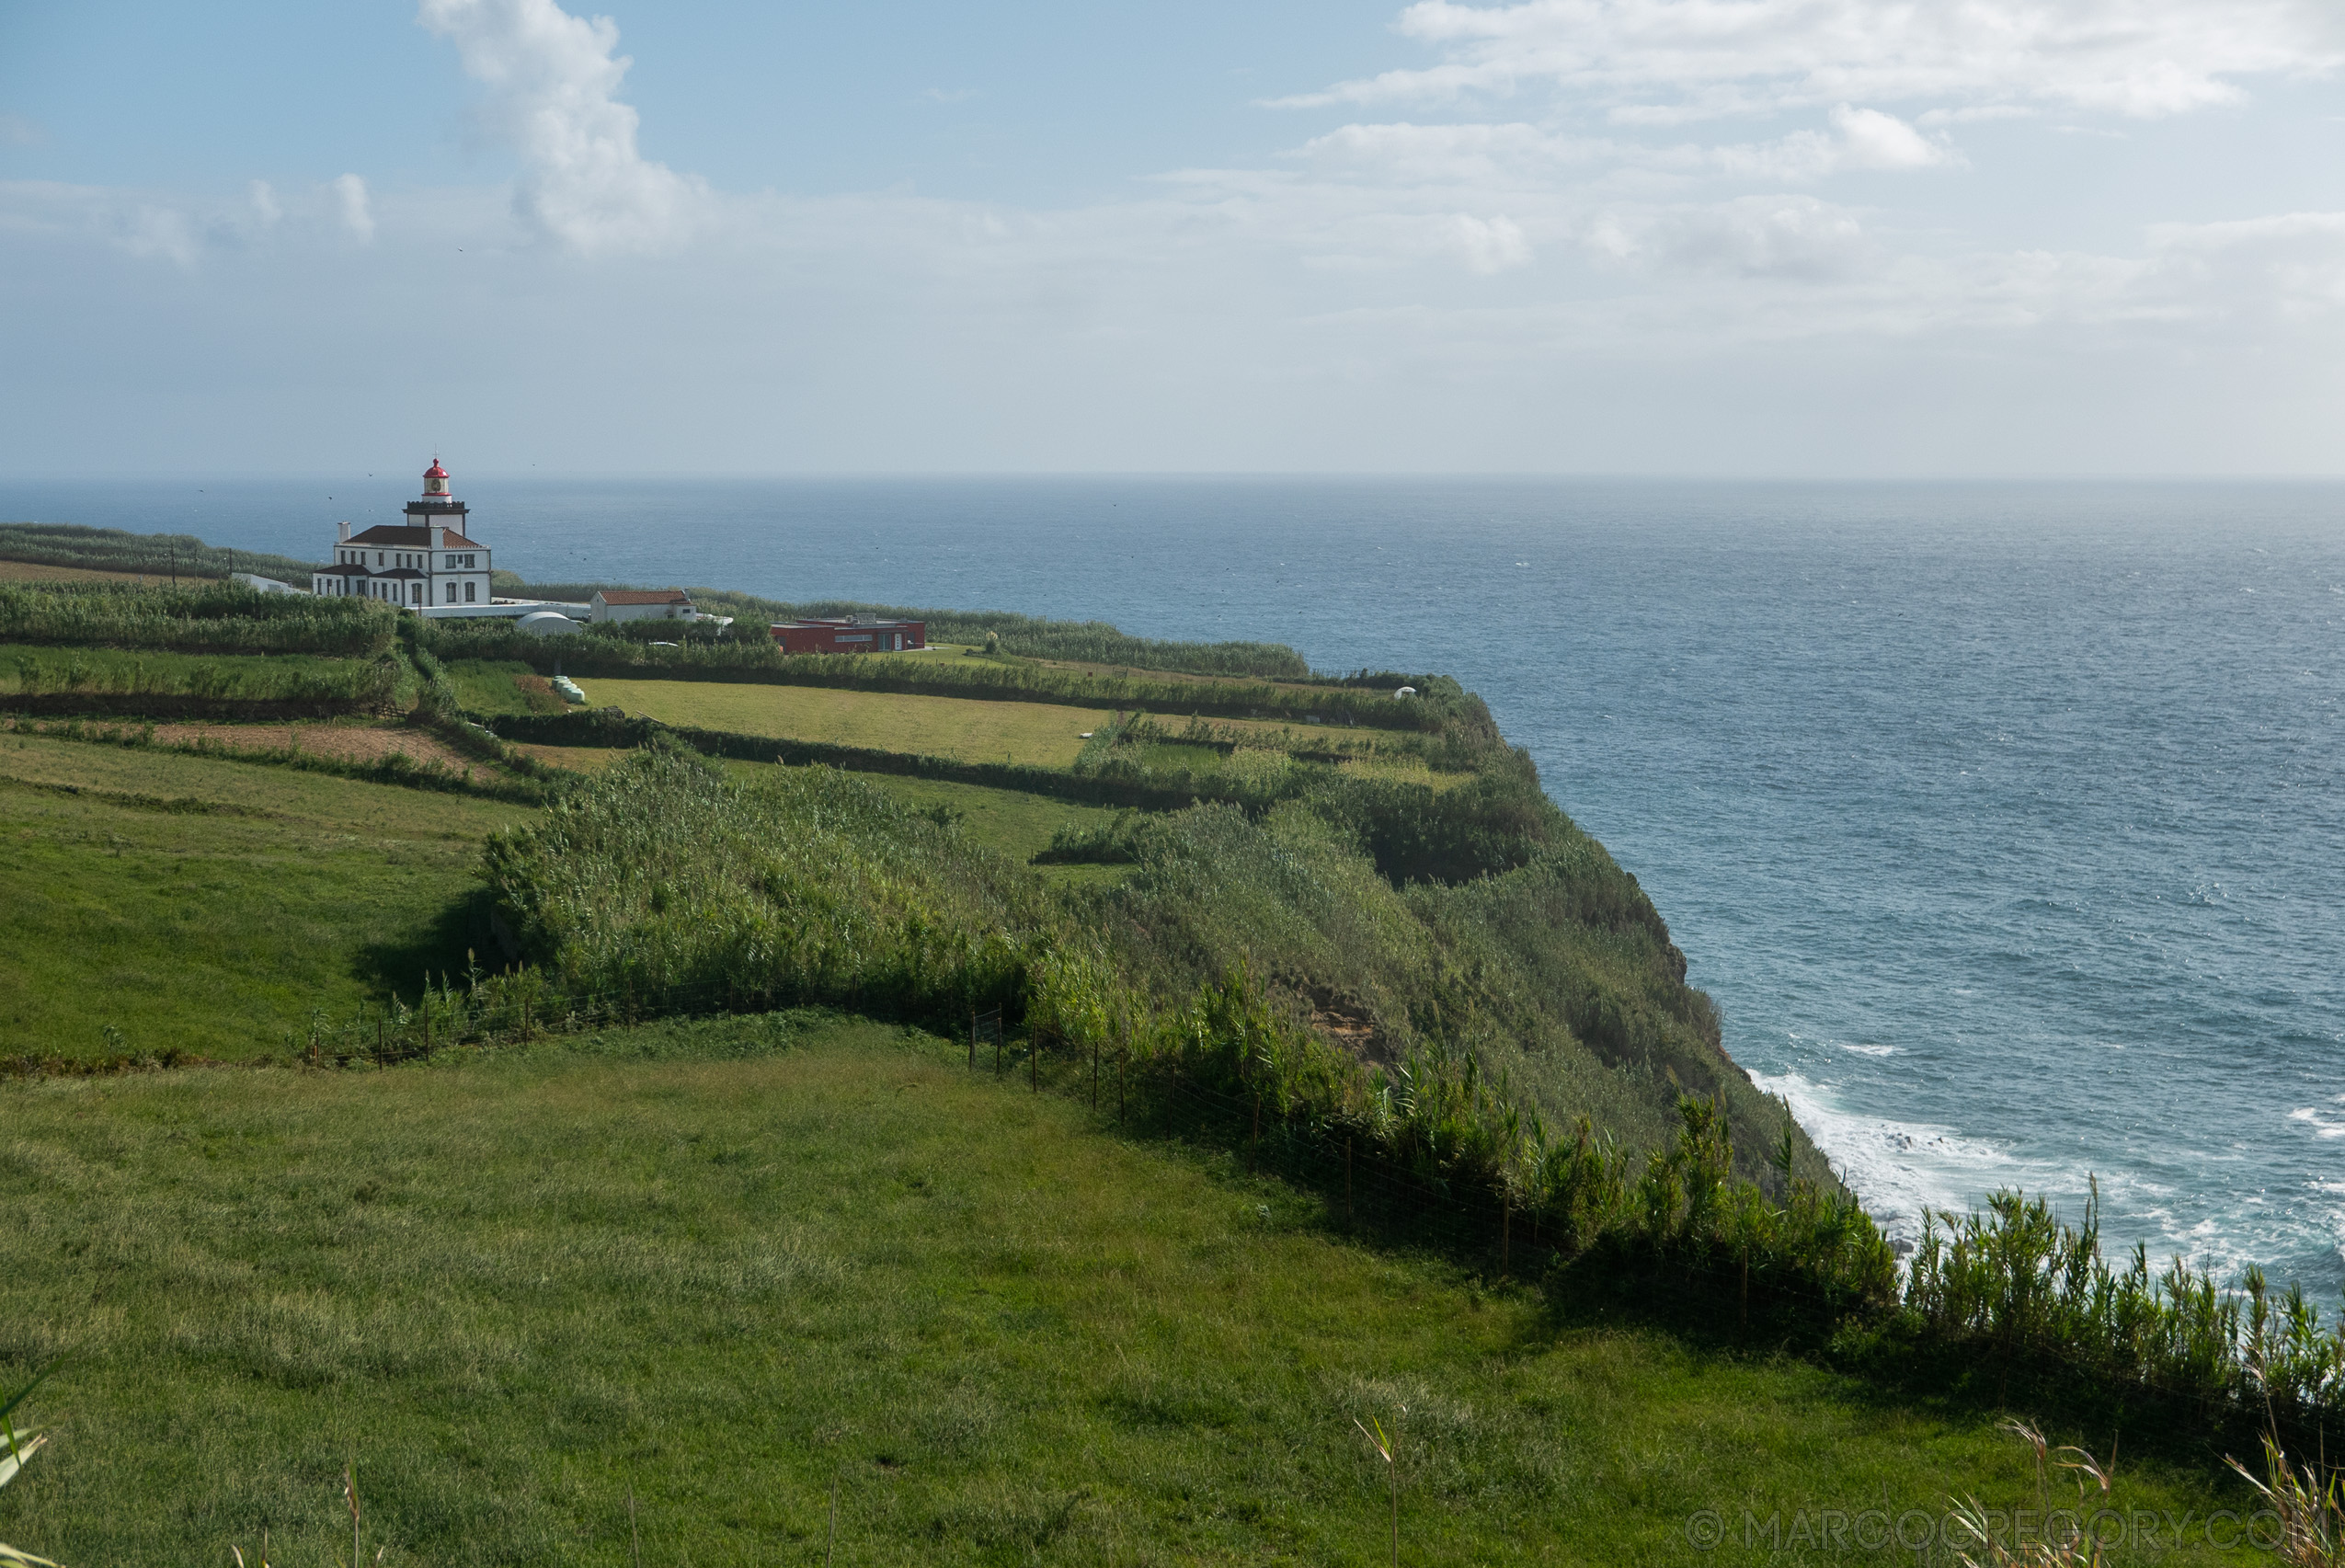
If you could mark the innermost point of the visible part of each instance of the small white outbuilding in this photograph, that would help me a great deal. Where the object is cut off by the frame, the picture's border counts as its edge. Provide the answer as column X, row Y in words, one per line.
column 641, row 604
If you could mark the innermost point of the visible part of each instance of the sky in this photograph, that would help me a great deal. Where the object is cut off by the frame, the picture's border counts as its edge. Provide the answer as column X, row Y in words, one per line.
column 1813, row 238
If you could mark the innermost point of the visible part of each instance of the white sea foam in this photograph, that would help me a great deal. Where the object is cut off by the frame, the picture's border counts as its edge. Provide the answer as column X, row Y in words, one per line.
column 1901, row 1169
column 2321, row 1121
column 1864, row 1050
column 1898, row 1168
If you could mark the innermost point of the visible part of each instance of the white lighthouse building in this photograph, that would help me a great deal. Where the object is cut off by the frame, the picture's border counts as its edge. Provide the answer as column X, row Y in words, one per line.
column 426, row 566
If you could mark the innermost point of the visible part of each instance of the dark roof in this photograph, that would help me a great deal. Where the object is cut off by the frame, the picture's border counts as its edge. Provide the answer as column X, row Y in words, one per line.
column 398, row 572
column 644, row 596
column 391, row 536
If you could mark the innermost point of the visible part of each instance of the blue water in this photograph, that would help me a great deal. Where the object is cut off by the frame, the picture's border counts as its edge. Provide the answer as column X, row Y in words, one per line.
column 2005, row 822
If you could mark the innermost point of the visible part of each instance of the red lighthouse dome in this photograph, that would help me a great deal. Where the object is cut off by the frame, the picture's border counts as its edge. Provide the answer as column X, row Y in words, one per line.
column 435, row 481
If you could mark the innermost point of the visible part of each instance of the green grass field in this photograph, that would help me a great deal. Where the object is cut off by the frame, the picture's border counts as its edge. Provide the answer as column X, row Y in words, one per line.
column 577, row 759
column 1007, row 821
column 502, row 686
column 725, row 1267
column 971, row 731
column 206, row 906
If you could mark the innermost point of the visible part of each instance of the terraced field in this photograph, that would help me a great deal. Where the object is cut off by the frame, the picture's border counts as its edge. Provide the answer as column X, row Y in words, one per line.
column 34, row 571
column 1044, row 733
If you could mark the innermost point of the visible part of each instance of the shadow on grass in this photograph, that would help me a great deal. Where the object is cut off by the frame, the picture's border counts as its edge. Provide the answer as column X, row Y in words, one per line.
column 1887, row 1363
column 455, row 937
column 1883, row 1359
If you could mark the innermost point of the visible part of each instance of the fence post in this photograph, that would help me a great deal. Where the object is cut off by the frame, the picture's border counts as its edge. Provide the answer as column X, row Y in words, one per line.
column 972, row 1039
column 1034, row 1062
column 996, row 1046
column 1348, row 1215
column 1094, row 1075
column 1507, row 1234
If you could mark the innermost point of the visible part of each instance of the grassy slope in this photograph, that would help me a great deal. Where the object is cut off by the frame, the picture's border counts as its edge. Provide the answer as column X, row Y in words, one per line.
column 972, row 730
column 515, row 1287
column 214, row 932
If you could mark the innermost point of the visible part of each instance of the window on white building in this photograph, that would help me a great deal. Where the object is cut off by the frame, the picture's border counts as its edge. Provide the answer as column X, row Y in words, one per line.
column 468, row 594
column 452, row 593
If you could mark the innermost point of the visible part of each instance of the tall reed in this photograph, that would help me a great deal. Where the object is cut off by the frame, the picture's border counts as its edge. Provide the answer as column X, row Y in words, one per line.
column 213, row 618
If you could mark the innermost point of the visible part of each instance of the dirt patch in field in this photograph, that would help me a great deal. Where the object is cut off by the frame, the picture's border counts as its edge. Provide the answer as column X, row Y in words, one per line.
column 348, row 743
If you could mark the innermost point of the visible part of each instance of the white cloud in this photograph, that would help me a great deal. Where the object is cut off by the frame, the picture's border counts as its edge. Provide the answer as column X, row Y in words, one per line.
column 1389, row 278
column 1785, row 237
column 163, row 232
column 1862, row 140
column 2283, row 268
column 1516, row 155
column 1654, row 61
column 1489, row 244
column 553, row 82
column 357, row 209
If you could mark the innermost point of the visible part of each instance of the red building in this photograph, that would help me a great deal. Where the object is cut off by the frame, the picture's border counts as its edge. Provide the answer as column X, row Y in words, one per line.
column 862, row 634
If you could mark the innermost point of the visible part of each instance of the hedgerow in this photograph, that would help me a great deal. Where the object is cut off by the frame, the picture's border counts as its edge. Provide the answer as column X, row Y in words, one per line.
column 213, row 618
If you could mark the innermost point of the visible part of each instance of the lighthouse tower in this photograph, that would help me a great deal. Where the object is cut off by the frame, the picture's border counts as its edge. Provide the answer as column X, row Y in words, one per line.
column 439, row 508
column 427, row 566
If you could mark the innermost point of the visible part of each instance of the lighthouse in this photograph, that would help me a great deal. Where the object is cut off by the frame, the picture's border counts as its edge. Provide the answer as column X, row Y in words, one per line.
column 439, row 508
column 428, row 565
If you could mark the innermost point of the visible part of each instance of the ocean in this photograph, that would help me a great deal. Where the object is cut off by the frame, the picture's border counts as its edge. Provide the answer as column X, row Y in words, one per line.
column 2005, row 822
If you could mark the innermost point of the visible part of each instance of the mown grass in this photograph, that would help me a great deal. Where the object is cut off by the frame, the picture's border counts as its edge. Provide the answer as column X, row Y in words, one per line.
column 722, row 1266
column 205, row 906
column 969, row 729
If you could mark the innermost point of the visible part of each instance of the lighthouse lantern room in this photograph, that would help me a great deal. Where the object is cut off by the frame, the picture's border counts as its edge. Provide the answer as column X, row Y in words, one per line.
column 428, row 564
